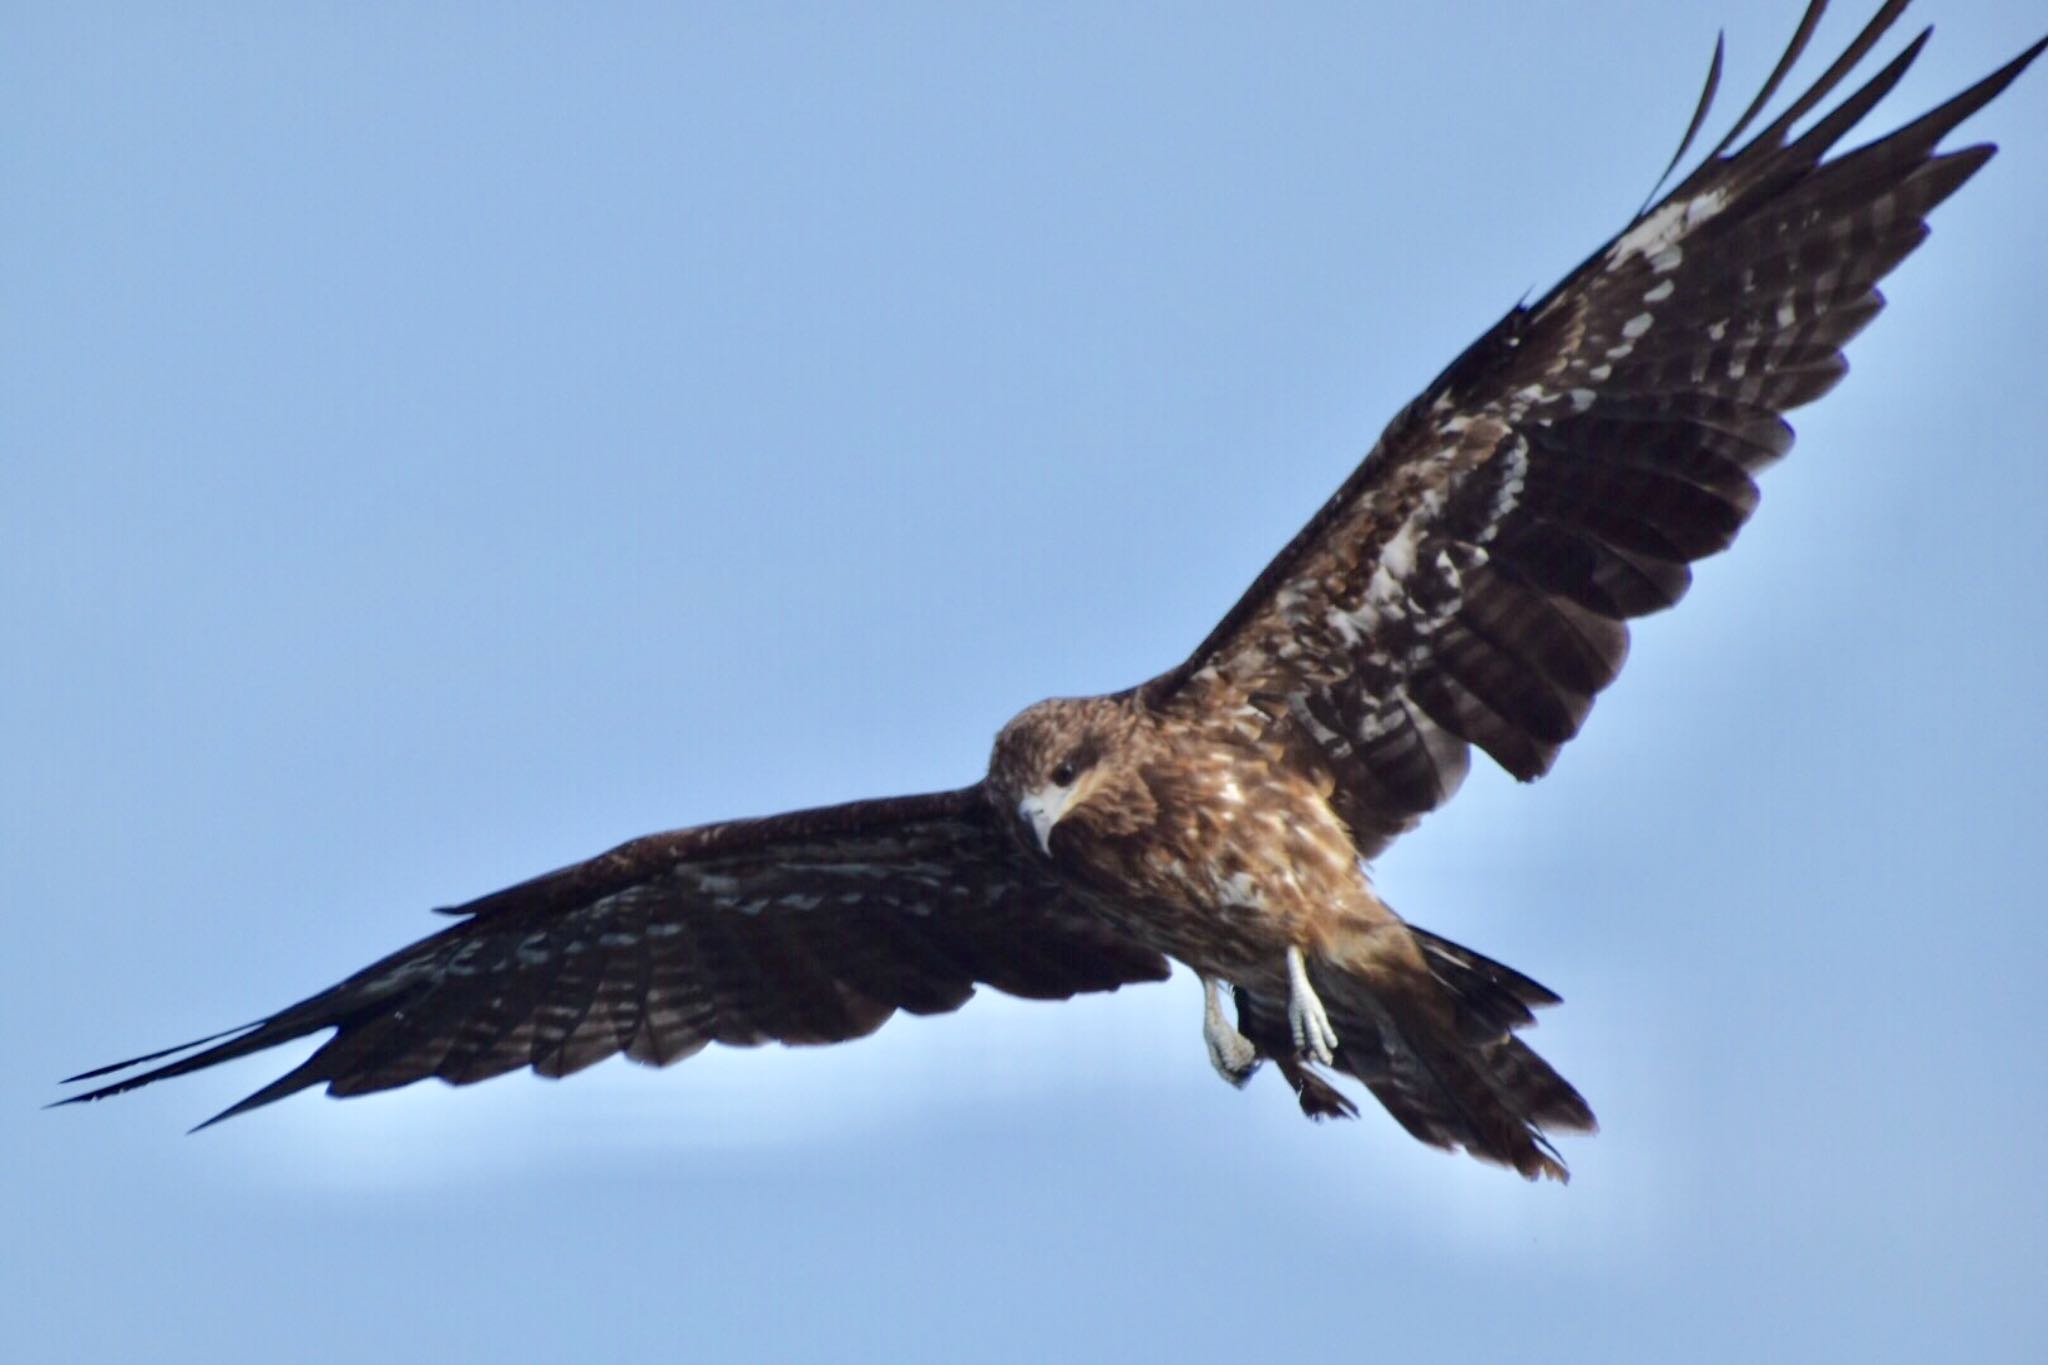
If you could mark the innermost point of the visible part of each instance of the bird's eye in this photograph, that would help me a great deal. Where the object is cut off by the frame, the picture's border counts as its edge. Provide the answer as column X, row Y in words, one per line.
column 1063, row 775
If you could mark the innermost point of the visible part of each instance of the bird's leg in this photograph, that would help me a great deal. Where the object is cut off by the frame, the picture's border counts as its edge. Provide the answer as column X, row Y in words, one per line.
column 1230, row 1052
column 1310, row 1024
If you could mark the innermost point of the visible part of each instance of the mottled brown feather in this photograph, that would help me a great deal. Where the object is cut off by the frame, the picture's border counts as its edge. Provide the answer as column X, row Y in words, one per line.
column 1467, row 585
column 1588, row 447
column 806, row 928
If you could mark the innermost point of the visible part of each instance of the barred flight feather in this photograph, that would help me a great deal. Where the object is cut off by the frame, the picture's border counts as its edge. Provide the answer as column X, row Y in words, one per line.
column 1467, row 586
column 718, row 934
column 1560, row 476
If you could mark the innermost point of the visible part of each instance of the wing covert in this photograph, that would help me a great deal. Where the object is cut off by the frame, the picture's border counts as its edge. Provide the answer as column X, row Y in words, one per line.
column 1470, row 582
column 810, row 927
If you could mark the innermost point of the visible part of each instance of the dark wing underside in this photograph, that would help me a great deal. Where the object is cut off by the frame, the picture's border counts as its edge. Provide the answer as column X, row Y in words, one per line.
column 1469, row 582
column 810, row 927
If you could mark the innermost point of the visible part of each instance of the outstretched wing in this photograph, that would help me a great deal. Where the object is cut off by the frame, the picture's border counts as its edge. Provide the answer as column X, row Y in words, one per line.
column 810, row 927
column 1469, row 582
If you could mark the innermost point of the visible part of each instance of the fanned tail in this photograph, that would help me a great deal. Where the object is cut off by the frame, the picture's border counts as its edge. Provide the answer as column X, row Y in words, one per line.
column 1432, row 1036
column 1439, row 1052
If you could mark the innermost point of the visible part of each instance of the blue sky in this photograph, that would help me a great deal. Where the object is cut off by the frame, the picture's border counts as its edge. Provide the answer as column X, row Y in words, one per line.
column 438, row 442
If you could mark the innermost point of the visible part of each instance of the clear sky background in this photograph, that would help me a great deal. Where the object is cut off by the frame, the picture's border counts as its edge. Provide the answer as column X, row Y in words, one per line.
column 439, row 442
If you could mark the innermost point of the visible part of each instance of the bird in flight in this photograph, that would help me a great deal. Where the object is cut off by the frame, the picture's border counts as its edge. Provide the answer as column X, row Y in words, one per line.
column 1469, row 584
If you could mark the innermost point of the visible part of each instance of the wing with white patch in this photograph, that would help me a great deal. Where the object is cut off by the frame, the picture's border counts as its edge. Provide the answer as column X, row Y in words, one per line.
column 1469, row 582
column 810, row 927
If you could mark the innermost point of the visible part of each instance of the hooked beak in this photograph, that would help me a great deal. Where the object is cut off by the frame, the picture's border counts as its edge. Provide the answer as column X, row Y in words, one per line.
column 1042, row 808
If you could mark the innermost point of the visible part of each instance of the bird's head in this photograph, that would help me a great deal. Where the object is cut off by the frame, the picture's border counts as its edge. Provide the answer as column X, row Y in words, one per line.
column 1069, row 762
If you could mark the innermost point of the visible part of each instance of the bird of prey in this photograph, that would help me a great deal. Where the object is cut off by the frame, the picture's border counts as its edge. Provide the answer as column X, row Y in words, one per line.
column 1469, row 584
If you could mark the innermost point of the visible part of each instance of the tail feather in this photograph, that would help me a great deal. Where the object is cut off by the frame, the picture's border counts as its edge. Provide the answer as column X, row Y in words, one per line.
column 1494, row 1098
column 1496, row 998
column 1318, row 1098
column 1451, row 1093
column 1437, row 1048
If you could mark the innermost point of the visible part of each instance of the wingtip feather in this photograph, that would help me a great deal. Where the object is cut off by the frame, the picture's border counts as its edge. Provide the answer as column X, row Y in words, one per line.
column 111, row 1067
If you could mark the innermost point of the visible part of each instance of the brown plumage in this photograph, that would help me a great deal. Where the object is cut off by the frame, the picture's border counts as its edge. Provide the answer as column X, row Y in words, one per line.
column 1468, row 585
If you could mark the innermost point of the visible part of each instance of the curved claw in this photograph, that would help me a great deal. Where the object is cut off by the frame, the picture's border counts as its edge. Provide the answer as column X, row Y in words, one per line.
column 1306, row 1018
column 1230, row 1052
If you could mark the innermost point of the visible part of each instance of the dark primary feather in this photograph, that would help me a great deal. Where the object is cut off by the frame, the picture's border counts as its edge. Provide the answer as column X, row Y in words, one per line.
column 1469, row 583
column 810, row 927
